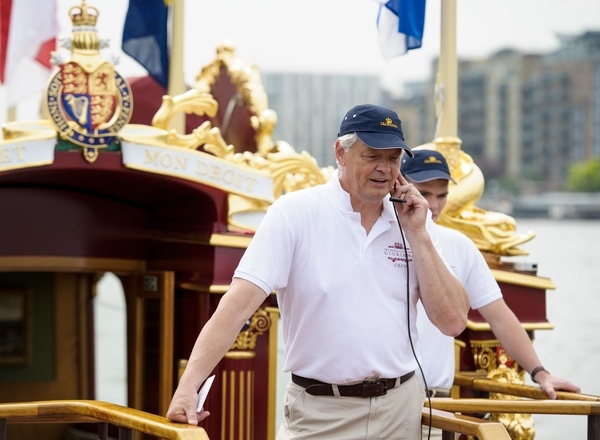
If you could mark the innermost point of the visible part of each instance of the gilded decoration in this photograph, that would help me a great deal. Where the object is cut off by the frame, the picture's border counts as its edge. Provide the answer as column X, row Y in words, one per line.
column 86, row 99
column 492, row 232
column 257, row 325
column 491, row 358
column 289, row 169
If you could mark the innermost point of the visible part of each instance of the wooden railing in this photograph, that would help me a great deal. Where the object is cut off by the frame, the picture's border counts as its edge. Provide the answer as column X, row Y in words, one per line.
column 479, row 383
column 451, row 423
column 443, row 416
column 128, row 420
column 556, row 407
column 535, row 401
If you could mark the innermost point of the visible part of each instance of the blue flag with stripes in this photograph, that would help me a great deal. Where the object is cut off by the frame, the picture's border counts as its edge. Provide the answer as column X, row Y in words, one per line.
column 145, row 37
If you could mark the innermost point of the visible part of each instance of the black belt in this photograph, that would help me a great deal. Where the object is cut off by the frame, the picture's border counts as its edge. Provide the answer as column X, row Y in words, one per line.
column 368, row 388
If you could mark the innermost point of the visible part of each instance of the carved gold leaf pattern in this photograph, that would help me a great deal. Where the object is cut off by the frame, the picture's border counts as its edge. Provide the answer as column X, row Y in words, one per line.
column 260, row 322
column 491, row 231
column 493, row 360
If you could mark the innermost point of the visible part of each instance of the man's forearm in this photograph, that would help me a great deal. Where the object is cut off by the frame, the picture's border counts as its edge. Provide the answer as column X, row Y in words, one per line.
column 444, row 298
column 221, row 331
column 511, row 334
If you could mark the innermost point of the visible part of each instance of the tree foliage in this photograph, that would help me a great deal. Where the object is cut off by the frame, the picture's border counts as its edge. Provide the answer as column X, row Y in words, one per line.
column 585, row 176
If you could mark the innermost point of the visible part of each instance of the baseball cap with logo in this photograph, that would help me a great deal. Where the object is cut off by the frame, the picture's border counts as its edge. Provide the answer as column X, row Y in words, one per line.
column 426, row 165
column 378, row 127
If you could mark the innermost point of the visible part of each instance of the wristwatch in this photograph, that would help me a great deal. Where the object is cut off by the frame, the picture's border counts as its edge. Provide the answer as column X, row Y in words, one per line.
column 536, row 370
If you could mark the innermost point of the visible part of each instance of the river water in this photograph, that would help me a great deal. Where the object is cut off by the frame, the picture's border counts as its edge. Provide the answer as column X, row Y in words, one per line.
column 566, row 251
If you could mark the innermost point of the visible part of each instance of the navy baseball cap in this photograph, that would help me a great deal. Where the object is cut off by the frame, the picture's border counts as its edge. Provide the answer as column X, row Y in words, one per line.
column 377, row 127
column 426, row 165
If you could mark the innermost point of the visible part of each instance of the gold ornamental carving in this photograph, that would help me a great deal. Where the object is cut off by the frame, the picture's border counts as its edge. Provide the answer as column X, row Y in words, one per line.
column 491, row 359
column 289, row 169
column 492, row 232
column 256, row 326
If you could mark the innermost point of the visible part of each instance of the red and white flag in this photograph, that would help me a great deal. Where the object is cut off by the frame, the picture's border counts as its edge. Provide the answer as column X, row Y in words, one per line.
column 28, row 31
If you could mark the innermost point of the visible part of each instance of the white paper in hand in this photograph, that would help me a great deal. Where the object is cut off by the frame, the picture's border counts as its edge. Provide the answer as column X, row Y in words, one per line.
column 204, row 392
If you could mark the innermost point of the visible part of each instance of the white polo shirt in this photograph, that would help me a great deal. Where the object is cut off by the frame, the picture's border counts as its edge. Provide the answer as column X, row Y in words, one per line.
column 342, row 293
column 436, row 349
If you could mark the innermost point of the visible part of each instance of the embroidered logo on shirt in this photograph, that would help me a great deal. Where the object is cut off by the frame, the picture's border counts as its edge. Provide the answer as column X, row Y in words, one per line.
column 397, row 254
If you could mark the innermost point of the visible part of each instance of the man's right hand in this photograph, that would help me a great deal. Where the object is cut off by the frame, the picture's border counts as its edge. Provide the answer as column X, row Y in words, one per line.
column 183, row 408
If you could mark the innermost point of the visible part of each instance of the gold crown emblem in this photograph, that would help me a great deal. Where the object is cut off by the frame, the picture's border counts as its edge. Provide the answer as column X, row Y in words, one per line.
column 432, row 159
column 83, row 15
column 388, row 123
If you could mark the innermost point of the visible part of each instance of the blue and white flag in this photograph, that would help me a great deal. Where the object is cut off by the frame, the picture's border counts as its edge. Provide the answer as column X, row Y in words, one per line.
column 400, row 24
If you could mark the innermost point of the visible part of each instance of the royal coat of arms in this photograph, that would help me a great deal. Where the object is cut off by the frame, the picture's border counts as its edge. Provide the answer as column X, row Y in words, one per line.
column 86, row 99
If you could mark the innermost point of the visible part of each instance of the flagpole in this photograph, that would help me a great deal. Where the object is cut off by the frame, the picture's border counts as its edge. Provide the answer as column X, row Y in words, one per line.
column 11, row 113
column 176, row 85
column 447, row 76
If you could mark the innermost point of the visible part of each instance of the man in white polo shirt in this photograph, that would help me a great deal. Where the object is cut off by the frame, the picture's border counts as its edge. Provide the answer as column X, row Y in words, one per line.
column 428, row 171
column 347, row 280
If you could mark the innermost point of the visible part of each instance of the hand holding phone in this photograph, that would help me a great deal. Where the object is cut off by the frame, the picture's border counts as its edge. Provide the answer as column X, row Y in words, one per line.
column 396, row 199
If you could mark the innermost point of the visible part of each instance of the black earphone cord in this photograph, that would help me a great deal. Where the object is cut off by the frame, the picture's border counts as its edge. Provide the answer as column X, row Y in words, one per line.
column 427, row 393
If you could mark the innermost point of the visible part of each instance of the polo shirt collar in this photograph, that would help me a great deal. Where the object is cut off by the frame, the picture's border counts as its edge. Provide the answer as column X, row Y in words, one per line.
column 342, row 199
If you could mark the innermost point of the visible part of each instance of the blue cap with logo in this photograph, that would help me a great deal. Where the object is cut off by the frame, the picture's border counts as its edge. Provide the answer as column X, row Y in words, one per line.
column 426, row 165
column 378, row 127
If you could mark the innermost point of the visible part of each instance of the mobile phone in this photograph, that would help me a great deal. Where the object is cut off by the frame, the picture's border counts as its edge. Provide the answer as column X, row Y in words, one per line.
column 395, row 199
